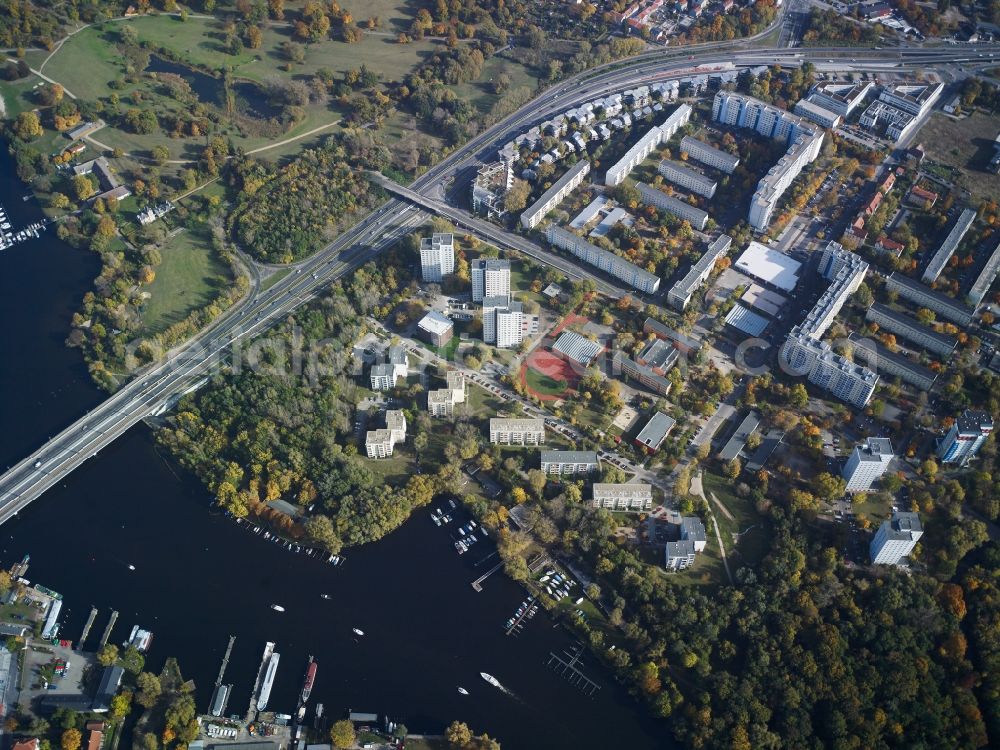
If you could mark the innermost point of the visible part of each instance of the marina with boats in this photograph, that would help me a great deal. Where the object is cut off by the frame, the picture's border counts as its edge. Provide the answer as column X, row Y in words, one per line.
column 9, row 237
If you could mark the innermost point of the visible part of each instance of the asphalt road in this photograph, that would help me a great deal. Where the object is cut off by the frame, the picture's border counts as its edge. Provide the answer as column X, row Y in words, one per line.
column 155, row 387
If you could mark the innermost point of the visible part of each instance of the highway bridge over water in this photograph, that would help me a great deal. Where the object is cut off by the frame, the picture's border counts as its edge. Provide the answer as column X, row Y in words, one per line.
column 156, row 387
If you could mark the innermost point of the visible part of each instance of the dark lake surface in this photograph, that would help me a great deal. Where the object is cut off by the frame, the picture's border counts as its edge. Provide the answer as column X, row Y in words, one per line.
column 250, row 97
column 199, row 577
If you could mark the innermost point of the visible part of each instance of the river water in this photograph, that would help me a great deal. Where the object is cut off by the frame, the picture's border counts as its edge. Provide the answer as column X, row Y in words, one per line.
column 199, row 577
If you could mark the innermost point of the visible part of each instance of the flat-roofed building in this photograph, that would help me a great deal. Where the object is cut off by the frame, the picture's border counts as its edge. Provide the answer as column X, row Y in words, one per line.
column 923, row 296
column 436, row 328
column 380, row 443
column 912, row 98
column 437, row 256
column 651, row 436
column 617, row 173
column 458, row 386
column 873, row 354
column 569, row 463
column 867, row 463
column 551, row 198
column 818, row 114
column 490, row 278
column 577, row 348
column 962, row 442
column 624, row 367
column 896, row 538
column 517, row 431
column 768, row 302
column 693, row 530
column 683, row 211
column 383, row 377
column 683, row 344
column 503, row 322
column 687, row 178
column 490, row 187
column 804, row 142
column 680, row 293
column 825, row 368
column 747, row 427
column 441, row 403
column 940, row 259
column 634, row 496
column 679, row 555
column 709, row 155
column 605, row 260
column 985, row 278
column 842, row 98
column 911, row 329
column 769, row 266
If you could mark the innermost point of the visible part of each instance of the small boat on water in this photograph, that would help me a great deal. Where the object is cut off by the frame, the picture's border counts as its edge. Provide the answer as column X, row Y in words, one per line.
column 324, row 596
column 277, row 608
column 463, row 691
column 491, row 679
column 358, row 631
column 131, row 567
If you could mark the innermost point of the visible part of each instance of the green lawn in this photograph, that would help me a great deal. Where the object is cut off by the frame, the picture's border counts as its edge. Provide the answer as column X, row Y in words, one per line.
column 424, row 743
column 872, row 508
column 190, row 277
column 17, row 96
column 482, row 403
column 480, row 93
column 85, row 64
column 755, row 543
column 274, row 278
column 544, row 384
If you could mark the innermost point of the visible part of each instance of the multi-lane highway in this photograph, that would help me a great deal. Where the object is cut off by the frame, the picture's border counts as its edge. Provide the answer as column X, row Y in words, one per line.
column 156, row 386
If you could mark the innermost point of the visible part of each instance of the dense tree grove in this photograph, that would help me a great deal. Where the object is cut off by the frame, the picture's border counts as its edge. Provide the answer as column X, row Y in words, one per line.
column 288, row 214
column 279, row 426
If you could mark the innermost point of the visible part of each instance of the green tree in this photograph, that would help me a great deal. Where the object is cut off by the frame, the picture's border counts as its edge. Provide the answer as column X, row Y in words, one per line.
column 161, row 154
column 149, row 689
column 83, row 188
column 108, row 655
column 458, row 735
column 27, row 126
column 70, row 739
column 342, row 734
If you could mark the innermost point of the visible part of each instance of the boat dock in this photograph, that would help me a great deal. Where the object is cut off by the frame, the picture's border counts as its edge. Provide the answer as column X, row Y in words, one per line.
column 10, row 237
column 526, row 611
column 258, row 683
column 225, row 661
column 87, row 627
column 478, row 583
column 569, row 668
column 107, row 630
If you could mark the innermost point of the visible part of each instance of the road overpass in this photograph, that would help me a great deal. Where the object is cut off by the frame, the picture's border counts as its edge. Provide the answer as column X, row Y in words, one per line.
column 155, row 386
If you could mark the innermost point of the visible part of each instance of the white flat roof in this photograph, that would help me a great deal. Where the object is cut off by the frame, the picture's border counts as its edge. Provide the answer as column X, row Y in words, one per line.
column 770, row 266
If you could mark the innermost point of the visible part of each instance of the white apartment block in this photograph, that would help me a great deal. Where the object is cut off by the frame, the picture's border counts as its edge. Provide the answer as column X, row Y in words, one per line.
column 965, row 437
column 912, row 98
column 804, row 143
column 680, row 293
column 709, row 155
column 517, row 431
column 380, row 443
column 867, row 464
column 551, row 198
column 635, row 496
column 825, row 368
column 503, row 322
column 437, row 256
column 841, row 98
column 949, row 246
column 805, row 353
column 385, row 374
column 985, row 278
column 683, row 211
column 490, row 278
column 441, row 402
column 568, row 463
column 617, row 173
column 912, row 330
column 612, row 264
column 818, row 114
column 896, row 538
column 687, row 178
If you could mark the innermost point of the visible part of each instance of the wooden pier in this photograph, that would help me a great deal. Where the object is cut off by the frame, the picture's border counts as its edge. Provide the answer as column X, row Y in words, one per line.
column 225, row 661
column 86, row 628
column 107, row 630
column 569, row 668
column 478, row 583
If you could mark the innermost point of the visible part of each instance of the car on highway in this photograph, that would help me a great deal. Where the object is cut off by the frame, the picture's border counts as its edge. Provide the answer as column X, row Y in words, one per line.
column 38, row 464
